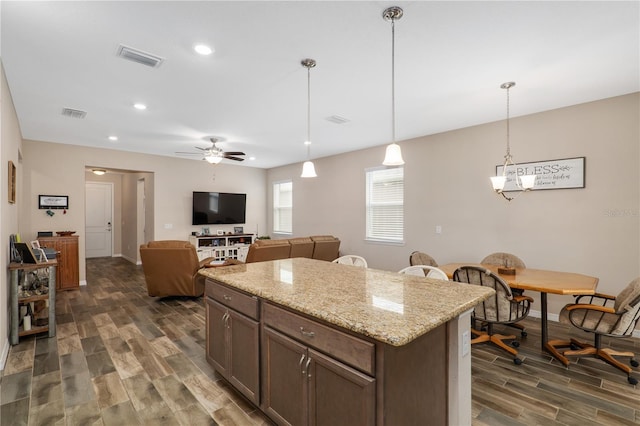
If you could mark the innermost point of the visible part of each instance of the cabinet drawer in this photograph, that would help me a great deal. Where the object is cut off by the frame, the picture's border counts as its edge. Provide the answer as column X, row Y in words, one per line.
column 342, row 346
column 241, row 302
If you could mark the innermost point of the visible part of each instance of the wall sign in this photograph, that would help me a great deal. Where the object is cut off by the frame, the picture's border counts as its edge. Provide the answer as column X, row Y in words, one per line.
column 53, row 201
column 551, row 174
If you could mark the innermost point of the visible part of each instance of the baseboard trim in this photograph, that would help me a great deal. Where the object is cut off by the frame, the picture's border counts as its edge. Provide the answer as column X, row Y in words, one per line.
column 4, row 355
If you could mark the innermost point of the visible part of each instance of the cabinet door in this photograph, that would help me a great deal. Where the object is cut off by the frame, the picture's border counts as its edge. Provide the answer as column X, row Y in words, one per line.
column 284, row 378
column 338, row 394
column 244, row 359
column 217, row 336
column 69, row 269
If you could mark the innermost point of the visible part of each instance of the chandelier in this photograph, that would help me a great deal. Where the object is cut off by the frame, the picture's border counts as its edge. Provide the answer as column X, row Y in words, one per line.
column 510, row 170
column 308, row 169
column 393, row 154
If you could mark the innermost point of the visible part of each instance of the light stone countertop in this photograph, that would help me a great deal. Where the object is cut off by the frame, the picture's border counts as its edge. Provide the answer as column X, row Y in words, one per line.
column 386, row 306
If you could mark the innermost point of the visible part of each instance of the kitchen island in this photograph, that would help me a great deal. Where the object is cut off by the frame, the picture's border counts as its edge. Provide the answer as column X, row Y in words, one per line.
column 314, row 342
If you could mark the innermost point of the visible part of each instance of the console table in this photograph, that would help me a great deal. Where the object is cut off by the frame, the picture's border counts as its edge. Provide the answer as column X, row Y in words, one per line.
column 222, row 247
column 18, row 273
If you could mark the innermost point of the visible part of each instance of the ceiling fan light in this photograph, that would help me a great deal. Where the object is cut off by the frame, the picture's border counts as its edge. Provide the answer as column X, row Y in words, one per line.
column 213, row 159
column 393, row 156
column 308, row 170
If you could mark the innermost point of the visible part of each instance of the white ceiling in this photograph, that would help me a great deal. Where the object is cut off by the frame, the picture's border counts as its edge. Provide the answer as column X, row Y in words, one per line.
column 451, row 58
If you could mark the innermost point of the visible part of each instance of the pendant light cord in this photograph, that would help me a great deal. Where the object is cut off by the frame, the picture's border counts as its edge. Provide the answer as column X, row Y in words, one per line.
column 508, row 127
column 308, row 113
column 393, row 80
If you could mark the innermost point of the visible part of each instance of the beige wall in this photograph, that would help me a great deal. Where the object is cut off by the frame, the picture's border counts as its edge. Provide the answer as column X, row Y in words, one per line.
column 10, row 142
column 594, row 231
column 60, row 170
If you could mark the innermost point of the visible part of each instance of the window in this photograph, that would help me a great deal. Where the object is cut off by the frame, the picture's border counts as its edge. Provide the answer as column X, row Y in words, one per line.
column 385, row 204
column 283, row 207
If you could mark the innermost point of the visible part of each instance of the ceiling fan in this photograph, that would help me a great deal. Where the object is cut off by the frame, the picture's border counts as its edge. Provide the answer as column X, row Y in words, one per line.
column 215, row 154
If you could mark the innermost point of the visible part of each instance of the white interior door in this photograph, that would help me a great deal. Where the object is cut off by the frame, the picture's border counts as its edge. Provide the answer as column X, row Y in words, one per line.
column 99, row 216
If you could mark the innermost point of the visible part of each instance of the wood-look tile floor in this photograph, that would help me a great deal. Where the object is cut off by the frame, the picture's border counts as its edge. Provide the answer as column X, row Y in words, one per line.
column 120, row 357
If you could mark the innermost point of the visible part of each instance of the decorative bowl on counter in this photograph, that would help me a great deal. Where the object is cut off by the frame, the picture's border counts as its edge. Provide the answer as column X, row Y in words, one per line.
column 65, row 233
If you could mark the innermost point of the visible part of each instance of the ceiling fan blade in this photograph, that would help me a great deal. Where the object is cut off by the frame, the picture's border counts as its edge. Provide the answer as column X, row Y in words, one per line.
column 202, row 149
column 230, row 157
column 188, row 153
column 234, row 153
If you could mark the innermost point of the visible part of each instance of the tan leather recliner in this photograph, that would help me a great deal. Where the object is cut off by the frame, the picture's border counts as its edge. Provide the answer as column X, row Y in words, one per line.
column 263, row 250
column 326, row 247
column 171, row 268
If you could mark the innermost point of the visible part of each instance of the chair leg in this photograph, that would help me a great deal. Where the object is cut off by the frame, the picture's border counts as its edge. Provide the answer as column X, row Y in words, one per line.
column 606, row 354
column 496, row 339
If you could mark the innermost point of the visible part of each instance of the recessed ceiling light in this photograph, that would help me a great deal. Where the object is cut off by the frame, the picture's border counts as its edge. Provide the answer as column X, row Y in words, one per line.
column 140, row 106
column 113, row 138
column 203, row 49
column 252, row 158
column 307, row 142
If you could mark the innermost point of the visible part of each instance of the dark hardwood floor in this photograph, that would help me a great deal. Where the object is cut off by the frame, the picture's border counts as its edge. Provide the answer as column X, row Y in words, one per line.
column 120, row 357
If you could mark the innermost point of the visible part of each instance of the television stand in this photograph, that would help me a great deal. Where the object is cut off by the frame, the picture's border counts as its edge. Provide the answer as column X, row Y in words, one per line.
column 222, row 247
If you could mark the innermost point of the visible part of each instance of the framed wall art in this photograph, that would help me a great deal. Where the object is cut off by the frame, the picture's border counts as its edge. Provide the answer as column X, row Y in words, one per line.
column 53, row 202
column 551, row 174
column 12, row 183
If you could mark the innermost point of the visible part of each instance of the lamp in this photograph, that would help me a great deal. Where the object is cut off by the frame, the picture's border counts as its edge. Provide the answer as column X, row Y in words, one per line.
column 523, row 182
column 213, row 159
column 308, row 169
column 393, row 155
column 98, row 172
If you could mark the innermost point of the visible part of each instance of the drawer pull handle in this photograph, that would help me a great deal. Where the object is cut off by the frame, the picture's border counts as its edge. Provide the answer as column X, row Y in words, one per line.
column 225, row 297
column 307, row 333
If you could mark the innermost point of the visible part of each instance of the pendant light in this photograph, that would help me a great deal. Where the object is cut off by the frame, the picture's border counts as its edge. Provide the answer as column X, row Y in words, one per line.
column 393, row 155
column 523, row 182
column 308, row 169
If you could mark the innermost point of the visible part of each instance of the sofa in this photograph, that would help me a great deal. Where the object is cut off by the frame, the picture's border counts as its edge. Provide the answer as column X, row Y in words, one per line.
column 171, row 268
column 321, row 247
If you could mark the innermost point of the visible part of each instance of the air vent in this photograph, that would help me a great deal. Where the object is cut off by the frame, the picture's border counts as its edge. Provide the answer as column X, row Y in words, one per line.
column 139, row 56
column 73, row 113
column 337, row 119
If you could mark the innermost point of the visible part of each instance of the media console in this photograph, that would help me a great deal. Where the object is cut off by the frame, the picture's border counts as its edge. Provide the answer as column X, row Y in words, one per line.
column 228, row 246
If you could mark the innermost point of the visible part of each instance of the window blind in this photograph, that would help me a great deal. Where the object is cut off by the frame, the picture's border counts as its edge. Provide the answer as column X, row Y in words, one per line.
column 385, row 204
column 283, row 207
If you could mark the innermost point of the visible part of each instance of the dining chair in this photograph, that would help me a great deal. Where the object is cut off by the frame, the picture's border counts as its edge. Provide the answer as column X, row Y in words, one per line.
column 420, row 258
column 603, row 315
column 510, row 261
column 425, row 271
column 502, row 308
column 351, row 259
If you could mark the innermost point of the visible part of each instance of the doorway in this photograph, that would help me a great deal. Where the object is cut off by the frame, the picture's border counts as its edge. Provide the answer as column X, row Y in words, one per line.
column 98, row 219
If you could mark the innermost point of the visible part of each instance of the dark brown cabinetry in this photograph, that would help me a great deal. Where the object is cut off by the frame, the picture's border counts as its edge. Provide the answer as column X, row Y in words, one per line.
column 304, row 386
column 233, row 338
column 68, row 272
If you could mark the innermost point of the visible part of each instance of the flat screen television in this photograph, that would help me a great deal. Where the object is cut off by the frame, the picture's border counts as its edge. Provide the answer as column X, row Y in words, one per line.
column 213, row 208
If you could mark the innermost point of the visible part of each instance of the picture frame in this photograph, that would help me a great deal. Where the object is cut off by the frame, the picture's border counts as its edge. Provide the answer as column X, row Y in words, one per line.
column 12, row 183
column 52, row 202
column 565, row 173
column 205, row 231
column 238, row 230
column 220, row 232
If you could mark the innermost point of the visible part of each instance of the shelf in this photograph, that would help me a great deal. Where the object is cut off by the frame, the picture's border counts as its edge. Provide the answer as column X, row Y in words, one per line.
column 34, row 330
column 33, row 298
